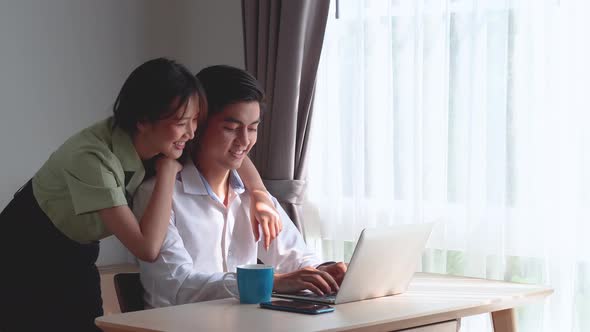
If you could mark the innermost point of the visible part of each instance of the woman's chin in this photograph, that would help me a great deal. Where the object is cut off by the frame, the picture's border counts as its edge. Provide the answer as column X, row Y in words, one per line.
column 173, row 154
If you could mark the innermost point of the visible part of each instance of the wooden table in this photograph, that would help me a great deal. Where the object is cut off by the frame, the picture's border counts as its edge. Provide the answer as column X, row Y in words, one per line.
column 432, row 303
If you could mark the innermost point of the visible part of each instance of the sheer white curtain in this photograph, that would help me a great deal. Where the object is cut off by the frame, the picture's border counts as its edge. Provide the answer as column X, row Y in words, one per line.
column 473, row 113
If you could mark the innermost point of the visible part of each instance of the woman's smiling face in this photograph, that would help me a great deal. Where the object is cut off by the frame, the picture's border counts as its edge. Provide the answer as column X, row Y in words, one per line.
column 170, row 135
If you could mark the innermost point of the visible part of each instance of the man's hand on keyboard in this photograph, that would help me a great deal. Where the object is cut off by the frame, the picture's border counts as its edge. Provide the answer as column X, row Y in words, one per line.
column 317, row 281
column 336, row 270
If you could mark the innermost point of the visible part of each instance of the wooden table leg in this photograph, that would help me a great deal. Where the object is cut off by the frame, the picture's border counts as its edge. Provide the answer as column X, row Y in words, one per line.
column 504, row 320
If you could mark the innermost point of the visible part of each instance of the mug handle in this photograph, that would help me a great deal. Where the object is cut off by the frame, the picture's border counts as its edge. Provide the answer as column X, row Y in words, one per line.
column 235, row 275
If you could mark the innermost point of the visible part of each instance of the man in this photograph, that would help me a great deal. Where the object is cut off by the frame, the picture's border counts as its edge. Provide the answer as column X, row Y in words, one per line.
column 209, row 231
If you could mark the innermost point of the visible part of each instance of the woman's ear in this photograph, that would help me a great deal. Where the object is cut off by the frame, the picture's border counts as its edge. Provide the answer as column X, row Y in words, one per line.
column 142, row 127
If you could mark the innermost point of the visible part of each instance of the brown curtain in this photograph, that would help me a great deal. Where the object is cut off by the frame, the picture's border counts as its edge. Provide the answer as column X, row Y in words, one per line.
column 283, row 41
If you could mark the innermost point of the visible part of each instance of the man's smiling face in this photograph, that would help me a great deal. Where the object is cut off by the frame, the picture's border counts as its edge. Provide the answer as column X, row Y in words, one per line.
column 230, row 134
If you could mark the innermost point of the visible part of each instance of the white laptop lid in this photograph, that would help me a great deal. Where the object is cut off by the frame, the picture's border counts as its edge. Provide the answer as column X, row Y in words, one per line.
column 383, row 262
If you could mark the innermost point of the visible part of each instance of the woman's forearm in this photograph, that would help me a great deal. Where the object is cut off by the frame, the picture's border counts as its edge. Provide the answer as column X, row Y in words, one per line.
column 144, row 238
column 250, row 176
column 154, row 222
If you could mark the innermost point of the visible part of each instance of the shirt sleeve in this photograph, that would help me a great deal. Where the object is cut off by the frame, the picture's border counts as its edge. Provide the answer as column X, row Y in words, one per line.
column 173, row 279
column 288, row 252
column 92, row 184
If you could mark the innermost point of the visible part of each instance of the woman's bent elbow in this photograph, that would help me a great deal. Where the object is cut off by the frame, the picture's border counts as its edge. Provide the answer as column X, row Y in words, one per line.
column 149, row 255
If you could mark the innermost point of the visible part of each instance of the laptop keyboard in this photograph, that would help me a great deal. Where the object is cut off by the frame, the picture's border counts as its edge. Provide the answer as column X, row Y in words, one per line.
column 331, row 297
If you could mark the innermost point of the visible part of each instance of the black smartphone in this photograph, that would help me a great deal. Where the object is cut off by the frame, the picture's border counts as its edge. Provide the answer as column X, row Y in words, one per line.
column 300, row 307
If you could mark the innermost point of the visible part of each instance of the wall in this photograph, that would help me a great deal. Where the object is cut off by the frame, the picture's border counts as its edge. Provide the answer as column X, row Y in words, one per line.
column 197, row 33
column 62, row 62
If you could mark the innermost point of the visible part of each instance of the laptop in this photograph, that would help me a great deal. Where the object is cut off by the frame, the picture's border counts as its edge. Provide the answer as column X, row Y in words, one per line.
column 383, row 263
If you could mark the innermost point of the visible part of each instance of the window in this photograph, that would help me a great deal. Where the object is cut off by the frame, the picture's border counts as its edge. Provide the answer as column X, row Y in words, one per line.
column 472, row 113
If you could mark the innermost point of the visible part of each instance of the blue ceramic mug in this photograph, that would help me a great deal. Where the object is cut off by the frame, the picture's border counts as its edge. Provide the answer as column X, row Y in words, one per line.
column 255, row 282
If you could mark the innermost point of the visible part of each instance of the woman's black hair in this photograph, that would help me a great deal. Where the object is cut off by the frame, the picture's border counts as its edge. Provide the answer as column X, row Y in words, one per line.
column 225, row 85
column 153, row 91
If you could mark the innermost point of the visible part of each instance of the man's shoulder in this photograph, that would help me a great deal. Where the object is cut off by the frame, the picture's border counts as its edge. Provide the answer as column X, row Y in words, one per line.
column 147, row 185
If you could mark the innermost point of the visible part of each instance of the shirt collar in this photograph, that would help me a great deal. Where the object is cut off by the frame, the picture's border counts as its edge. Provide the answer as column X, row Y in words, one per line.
column 193, row 182
column 235, row 182
column 125, row 151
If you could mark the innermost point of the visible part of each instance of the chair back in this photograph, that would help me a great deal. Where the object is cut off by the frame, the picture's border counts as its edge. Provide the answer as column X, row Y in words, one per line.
column 129, row 291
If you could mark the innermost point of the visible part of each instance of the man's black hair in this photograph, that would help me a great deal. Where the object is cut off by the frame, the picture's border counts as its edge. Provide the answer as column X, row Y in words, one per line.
column 225, row 85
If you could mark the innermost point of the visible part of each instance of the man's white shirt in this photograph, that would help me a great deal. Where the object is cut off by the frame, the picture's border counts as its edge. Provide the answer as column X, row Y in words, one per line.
column 205, row 240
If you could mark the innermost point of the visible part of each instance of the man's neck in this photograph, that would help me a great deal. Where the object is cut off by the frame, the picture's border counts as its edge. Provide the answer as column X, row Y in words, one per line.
column 217, row 178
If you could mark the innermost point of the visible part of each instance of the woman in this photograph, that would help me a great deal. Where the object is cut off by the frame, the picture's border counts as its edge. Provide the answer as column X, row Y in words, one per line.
column 51, row 228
